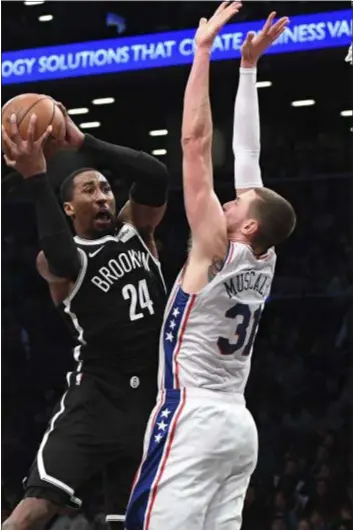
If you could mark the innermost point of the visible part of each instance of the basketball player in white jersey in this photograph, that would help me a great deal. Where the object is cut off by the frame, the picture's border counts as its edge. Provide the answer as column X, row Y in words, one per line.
column 201, row 441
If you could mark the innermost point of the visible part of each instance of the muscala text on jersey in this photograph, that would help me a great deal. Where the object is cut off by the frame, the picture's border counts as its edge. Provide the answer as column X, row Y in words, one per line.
column 250, row 280
column 116, row 268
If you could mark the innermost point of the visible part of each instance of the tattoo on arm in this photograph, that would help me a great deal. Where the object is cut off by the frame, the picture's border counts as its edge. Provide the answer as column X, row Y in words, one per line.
column 215, row 267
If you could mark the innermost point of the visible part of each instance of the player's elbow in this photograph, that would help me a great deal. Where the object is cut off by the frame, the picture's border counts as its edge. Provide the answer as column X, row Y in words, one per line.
column 42, row 263
column 65, row 270
column 43, row 267
column 196, row 144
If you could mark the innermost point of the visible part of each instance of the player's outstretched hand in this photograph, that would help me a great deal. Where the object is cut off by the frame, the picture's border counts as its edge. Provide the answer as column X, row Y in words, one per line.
column 255, row 45
column 208, row 29
column 74, row 136
column 26, row 156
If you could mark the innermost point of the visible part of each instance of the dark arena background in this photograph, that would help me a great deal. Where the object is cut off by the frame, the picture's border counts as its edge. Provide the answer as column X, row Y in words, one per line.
column 299, row 390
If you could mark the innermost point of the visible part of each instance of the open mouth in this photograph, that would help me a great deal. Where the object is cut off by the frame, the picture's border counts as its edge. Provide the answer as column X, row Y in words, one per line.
column 103, row 216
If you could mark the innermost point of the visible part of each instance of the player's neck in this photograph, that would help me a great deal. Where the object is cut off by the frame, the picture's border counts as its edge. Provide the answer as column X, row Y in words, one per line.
column 238, row 237
column 92, row 234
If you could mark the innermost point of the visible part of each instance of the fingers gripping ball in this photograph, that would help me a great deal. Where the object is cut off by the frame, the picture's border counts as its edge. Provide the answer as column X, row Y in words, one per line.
column 48, row 113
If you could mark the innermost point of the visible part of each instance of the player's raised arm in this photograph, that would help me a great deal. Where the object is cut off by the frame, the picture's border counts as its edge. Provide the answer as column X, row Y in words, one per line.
column 149, row 191
column 150, row 177
column 246, row 130
column 203, row 210
column 60, row 260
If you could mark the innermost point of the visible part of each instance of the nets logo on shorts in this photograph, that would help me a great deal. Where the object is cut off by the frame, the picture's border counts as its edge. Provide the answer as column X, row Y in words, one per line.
column 134, row 382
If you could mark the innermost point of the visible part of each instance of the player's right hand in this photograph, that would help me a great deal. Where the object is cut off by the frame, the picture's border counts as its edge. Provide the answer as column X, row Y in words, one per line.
column 208, row 29
column 255, row 45
column 26, row 156
column 74, row 137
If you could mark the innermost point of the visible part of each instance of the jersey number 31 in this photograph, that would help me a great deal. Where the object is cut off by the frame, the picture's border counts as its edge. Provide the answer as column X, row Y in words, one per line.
column 245, row 330
column 139, row 296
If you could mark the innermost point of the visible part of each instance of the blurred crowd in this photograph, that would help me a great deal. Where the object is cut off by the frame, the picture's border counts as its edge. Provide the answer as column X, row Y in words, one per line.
column 299, row 390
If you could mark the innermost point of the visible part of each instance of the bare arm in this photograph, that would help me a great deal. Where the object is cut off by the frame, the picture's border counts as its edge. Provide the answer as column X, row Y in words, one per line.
column 145, row 219
column 203, row 210
column 59, row 288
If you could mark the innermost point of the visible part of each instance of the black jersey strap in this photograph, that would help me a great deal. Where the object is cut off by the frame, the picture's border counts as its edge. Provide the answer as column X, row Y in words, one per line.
column 150, row 176
column 54, row 233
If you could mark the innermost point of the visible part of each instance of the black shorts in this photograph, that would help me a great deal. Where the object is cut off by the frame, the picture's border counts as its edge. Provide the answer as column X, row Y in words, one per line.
column 95, row 428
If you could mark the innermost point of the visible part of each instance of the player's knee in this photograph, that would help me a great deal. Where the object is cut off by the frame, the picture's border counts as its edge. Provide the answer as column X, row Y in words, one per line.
column 116, row 525
column 12, row 524
column 9, row 525
column 30, row 514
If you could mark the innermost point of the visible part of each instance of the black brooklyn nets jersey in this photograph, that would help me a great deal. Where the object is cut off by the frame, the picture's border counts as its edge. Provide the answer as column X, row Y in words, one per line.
column 117, row 304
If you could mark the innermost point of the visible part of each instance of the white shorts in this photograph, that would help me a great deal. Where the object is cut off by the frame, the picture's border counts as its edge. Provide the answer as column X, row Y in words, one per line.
column 200, row 450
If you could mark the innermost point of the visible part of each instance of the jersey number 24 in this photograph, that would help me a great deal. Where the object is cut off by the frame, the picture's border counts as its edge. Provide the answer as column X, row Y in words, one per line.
column 245, row 330
column 139, row 299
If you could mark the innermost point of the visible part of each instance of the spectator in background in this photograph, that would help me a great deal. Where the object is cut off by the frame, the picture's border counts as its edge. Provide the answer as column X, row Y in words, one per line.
column 317, row 521
column 289, row 479
column 278, row 524
column 321, row 501
column 253, row 510
column 304, row 524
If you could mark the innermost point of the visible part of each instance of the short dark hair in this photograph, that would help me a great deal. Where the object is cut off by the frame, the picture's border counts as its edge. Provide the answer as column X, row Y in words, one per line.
column 276, row 218
column 67, row 186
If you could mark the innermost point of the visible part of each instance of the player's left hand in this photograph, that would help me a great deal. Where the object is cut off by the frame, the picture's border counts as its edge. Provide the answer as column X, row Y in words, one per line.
column 255, row 45
column 208, row 29
column 25, row 156
column 74, row 136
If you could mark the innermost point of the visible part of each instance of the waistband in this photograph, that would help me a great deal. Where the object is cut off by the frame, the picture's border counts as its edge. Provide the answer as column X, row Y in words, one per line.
column 201, row 393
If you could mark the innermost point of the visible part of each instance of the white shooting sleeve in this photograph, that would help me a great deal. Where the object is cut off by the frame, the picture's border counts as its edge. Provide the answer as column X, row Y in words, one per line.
column 246, row 132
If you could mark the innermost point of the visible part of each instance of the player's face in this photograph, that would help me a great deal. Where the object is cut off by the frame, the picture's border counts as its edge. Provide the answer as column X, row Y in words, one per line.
column 238, row 215
column 93, row 205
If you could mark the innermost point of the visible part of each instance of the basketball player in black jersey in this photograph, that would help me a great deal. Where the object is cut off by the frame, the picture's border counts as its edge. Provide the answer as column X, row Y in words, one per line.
column 108, row 283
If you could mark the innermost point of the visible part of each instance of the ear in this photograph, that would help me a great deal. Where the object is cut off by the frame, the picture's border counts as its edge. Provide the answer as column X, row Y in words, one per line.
column 250, row 227
column 69, row 209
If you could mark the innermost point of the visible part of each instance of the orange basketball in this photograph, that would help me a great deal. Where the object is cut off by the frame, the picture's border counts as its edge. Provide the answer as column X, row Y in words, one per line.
column 47, row 111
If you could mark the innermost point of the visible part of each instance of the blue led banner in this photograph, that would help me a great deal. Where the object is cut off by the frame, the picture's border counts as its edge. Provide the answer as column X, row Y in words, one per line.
column 306, row 32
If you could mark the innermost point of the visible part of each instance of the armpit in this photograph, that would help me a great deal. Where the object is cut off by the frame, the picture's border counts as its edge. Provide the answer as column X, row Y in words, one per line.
column 215, row 267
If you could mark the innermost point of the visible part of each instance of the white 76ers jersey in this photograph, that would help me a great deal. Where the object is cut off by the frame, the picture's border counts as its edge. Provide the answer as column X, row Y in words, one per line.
column 207, row 339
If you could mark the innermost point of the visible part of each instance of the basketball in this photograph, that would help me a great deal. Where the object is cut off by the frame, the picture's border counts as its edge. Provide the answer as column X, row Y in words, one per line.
column 47, row 111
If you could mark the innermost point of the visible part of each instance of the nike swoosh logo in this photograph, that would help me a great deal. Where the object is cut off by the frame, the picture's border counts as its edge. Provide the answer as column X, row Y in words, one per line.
column 92, row 254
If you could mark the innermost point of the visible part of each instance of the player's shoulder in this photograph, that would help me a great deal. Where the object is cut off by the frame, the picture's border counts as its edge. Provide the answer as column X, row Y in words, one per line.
column 127, row 232
column 124, row 234
column 238, row 251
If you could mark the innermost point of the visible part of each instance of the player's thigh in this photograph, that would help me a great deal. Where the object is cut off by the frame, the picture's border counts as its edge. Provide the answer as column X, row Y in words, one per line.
column 226, row 507
column 180, row 469
column 71, row 449
column 117, row 483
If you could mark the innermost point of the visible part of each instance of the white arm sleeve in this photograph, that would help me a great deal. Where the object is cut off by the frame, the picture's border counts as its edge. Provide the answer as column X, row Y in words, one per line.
column 246, row 132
